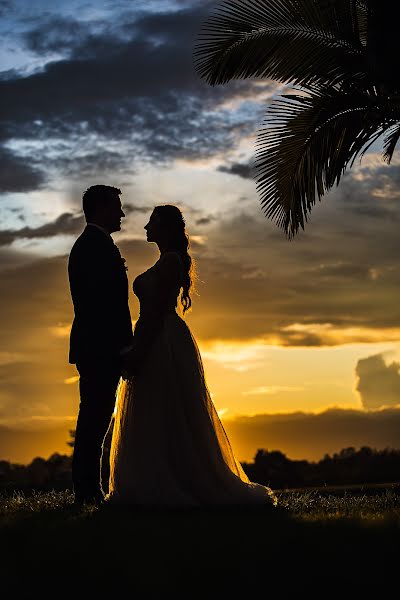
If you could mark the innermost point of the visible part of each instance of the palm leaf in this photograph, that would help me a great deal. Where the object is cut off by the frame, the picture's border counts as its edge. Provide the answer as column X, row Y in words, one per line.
column 305, row 146
column 297, row 42
column 390, row 141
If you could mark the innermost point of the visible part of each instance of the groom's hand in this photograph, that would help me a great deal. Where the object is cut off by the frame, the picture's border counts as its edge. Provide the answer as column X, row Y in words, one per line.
column 125, row 375
column 129, row 363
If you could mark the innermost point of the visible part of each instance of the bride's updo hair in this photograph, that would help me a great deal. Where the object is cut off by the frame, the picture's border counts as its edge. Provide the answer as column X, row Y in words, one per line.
column 173, row 225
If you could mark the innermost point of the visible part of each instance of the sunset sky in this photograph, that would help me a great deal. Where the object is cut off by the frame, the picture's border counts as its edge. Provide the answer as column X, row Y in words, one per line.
column 300, row 339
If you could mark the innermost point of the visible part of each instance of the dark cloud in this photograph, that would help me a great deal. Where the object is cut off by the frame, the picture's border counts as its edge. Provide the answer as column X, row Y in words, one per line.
column 331, row 272
column 5, row 6
column 104, row 68
column 311, row 436
column 86, row 164
column 133, row 208
column 373, row 195
column 205, row 220
column 16, row 175
column 66, row 223
column 155, row 127
column 63, row 35
column 244, row 170
column 83, row 39
column 378, row 383
column 134, row 82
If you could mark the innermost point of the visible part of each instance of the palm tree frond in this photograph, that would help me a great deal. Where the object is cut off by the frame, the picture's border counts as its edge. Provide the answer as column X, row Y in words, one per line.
column 361, row 17
column 390, row 142
column 280, row 39
column 306, row 144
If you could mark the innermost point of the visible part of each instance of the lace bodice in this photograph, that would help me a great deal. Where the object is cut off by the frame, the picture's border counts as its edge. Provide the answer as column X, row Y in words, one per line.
column 155, row 290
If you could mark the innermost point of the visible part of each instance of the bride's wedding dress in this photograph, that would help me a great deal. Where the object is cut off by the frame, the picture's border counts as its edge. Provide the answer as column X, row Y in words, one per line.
column 169, row 447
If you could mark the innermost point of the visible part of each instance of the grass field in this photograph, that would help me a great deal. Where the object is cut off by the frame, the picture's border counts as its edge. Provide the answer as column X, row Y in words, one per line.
column 319, row 543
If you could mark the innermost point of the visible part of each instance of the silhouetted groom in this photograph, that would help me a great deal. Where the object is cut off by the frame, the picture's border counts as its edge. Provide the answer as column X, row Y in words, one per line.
column 102, row 327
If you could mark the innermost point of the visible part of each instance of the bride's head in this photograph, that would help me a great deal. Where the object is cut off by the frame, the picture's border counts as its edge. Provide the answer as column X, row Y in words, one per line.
column 166, row 227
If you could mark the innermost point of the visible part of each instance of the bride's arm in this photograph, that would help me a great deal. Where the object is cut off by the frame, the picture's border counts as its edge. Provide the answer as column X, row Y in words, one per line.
column 149, row 324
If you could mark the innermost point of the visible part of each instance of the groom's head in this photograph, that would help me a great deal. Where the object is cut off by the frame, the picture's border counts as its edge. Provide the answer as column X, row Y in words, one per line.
column 102, row 205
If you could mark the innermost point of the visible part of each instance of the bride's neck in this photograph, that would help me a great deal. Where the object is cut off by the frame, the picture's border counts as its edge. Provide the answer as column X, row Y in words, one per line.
column 163, row 248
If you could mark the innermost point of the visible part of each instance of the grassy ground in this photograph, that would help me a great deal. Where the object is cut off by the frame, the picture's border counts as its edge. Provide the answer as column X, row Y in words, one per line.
column 318, row 543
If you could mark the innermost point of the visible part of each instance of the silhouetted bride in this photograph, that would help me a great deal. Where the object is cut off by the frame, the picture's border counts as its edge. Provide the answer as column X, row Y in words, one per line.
column 168, row 447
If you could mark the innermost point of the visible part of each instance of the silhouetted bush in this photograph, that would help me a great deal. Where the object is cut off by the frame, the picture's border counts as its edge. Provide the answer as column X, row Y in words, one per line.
column 349, row 467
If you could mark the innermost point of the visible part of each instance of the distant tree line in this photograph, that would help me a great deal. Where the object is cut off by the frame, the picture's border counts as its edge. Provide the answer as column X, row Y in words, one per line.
column 40, row 474
column 349, row 467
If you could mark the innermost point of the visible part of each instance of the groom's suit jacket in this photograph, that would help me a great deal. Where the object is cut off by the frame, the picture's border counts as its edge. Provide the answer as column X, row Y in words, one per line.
column 102, row 323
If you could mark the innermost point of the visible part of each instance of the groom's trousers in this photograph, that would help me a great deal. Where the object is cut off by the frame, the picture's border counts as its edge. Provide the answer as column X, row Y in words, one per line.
column 98, row 383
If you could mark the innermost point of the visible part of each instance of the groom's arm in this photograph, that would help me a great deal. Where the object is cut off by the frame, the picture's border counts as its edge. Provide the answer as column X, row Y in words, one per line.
column 92, row 289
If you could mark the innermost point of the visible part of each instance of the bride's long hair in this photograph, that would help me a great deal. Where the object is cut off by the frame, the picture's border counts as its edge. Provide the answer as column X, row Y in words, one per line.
column 178, row 240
